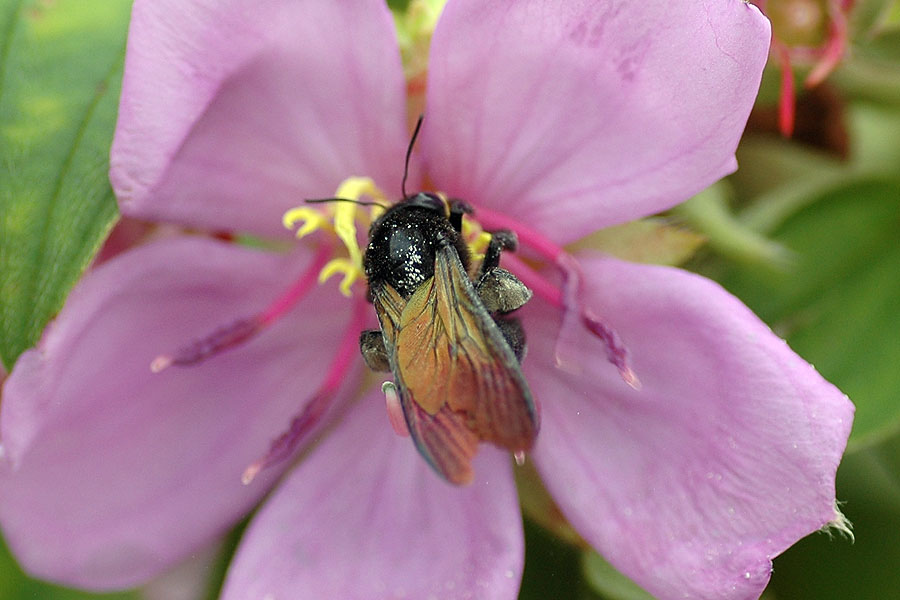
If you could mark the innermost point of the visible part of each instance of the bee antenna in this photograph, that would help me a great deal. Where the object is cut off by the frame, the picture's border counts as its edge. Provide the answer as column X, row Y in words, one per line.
column 360, row 202
column 409, row 150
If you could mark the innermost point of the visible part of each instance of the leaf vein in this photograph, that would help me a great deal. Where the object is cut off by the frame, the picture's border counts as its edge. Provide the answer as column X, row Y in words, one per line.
column 44, row 236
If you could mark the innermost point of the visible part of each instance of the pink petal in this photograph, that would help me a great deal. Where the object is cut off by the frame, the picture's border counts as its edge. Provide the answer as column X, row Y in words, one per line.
column 364, row 517
column 232, row 112
column 723, row 459
column 583, row 114
column 112, row 474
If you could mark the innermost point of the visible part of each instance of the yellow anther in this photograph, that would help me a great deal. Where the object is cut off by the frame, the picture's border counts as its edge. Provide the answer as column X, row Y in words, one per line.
column 312, row 218
column 376, row 211
column 355, row 188
column 351, row 271
column 345, row 213
column 476, row 238
column 345, row 228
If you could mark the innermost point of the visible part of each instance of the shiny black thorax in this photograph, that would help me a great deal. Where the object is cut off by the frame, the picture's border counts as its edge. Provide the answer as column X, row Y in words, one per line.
column 404, row 240
column 404, row 244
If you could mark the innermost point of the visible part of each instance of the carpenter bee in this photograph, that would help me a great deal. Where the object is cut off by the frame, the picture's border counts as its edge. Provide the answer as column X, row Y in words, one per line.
column 446, row 334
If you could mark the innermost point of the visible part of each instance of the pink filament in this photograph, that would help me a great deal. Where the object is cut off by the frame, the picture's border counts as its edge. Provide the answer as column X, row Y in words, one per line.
column 286, row 443
column 300, row 288
column 834, row 46
column 241, row 330
column 787, row 100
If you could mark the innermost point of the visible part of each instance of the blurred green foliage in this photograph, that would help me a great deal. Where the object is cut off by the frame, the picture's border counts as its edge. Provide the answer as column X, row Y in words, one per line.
column 15, row 585
column 60, row 68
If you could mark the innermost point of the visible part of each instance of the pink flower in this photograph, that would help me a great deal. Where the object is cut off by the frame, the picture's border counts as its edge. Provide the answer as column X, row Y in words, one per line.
column 558, row 117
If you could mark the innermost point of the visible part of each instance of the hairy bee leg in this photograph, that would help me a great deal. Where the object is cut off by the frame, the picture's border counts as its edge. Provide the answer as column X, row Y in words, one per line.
column 501, row 292
column 371, row 346
column 502, row 239
column 458, row 208
column 512, row 330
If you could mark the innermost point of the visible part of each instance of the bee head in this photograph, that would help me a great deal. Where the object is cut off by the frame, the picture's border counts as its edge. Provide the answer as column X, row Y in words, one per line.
column 432, row 202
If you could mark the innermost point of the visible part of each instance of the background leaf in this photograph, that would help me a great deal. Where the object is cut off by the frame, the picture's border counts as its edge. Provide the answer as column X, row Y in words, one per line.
column 15, row 585
column 820, row 567
column 836, row 304
column 60, row 71
column 608, row 582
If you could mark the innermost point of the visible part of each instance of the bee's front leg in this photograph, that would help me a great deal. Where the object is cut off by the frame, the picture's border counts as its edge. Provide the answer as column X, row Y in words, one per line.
column 502, row 239
column 458, row 208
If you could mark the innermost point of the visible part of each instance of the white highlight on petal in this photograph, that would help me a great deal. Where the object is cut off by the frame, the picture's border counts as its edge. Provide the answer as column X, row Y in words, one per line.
column 163, row 361
column 630, row 378
column 251, row 472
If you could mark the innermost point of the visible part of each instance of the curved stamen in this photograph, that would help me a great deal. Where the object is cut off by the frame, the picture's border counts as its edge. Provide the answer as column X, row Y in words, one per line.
column 300, row 288
column 834, row 45
column 344, row 214
column 310, row 219
column 568, row 301
column 787, row 99
column 286, row 443
column 615, row 350
column 242, row 330
column 218, row 341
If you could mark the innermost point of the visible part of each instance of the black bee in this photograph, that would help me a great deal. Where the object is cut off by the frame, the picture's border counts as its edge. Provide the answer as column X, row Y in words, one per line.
column 446, row 334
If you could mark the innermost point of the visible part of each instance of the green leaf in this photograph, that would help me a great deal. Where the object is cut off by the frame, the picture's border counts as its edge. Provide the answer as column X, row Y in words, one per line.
column 60, row 72
column 870, row 16
column 836, row 304
column 608, row 582
column 708, row 213
column 551, row 567
column 652, row 240
column 16, row 585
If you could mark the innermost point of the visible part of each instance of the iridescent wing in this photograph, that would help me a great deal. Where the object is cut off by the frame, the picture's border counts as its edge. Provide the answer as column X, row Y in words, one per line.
column 458, row 379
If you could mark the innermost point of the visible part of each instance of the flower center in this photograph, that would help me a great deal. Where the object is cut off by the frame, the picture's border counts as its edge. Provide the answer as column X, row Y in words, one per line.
column 345, row 210
column 350, row 206
column 359, row 200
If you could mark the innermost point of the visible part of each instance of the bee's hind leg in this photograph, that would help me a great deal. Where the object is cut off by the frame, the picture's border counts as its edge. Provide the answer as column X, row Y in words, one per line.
column 513, row 333
column 500, row 291
column 371, row 346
